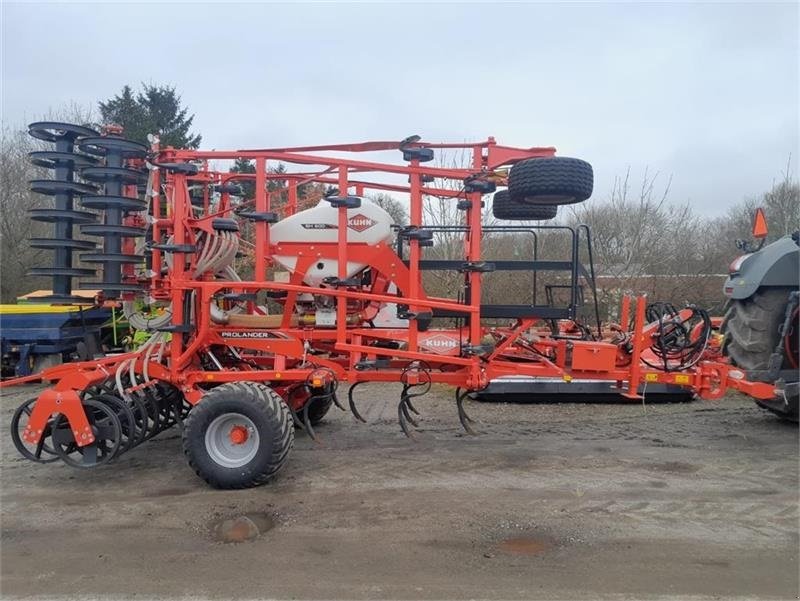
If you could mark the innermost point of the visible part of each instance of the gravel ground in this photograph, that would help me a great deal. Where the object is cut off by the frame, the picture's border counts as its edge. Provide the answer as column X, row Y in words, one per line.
column 550, row 501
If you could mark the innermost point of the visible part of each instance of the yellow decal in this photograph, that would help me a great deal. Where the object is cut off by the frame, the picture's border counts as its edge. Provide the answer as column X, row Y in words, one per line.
column 682, row 379
column 651, row 377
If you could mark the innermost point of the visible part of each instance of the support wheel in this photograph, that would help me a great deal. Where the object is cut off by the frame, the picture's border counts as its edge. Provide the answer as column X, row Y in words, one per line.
column 551, row 181
column 239, row 435
column 505, row 207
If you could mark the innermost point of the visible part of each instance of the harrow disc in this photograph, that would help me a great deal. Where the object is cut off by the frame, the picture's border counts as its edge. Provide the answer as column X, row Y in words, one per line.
column 126, row 417
column 41, row 452
column 106, row 428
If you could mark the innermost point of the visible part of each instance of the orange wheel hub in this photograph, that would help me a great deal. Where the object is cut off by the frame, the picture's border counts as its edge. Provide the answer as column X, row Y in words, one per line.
column 239, row 435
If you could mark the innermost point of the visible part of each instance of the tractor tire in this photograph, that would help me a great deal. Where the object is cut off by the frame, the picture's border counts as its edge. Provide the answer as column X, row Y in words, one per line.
column 505, row 207
column 551, row 181
column 238, row 436
column 751, row 332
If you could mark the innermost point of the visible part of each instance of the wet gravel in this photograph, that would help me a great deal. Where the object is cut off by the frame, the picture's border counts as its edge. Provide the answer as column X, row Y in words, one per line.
column 551, row 501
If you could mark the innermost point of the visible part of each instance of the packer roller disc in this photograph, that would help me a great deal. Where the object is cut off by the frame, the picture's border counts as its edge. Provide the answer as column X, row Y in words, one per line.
column 99, row 145
column 137, row 418
column 72, row 272
column 42, row 452
column 123, row 203
column 103, row 230
column 50, row 159
column 118, row 174
column 51, row 187
column 56, row 215
column 126, row 417
column 111, row 258
column 109, row 286
column 106, row 428
column 55, row 131
column 51, row 243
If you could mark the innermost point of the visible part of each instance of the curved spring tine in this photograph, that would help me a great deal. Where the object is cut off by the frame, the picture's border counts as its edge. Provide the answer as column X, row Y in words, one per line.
column 404, row 402
column 307, row 421
column 409, row 405
column 295, row 418
column 462, row 414
column 351, row 401
column 336, row 401
column 402, row 413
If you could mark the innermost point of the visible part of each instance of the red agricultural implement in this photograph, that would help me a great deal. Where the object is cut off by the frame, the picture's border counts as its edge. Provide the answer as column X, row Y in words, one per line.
column 336, row 295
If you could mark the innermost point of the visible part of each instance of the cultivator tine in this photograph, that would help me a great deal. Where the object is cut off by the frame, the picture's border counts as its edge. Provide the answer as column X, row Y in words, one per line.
column 462, row 414
column 292, row 391
column 352, row 402
column 409, row 405
column 416, row 374
column 404, row 418
column 336, row 401
column 307, row 420
column 405, row 403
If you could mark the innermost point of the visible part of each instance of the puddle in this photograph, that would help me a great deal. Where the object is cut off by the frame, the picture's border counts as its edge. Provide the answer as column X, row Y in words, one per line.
column 524, row 546
column 241, row 528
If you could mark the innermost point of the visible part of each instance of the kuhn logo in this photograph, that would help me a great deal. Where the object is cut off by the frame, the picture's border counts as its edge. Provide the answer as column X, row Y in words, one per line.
column 360, row 222
column 439, row 343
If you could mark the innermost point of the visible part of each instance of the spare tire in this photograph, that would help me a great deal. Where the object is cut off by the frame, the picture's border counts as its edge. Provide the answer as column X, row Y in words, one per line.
column 551, row 181
column 505, row 207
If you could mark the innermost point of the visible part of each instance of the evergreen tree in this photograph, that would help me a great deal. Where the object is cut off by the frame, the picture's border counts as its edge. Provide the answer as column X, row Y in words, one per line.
column 154, row 110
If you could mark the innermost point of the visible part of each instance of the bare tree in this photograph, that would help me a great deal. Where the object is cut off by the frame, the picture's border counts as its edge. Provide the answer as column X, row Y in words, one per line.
column 644, row 244
column 441, row 211
column 391, row 205
column 16, row 199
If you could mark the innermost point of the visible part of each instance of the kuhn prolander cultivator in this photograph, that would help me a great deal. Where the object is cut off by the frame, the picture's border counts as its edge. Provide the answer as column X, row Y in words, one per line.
column 261, row 314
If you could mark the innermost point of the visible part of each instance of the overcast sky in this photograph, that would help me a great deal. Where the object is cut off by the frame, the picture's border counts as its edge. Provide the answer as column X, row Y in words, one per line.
column 707, row 93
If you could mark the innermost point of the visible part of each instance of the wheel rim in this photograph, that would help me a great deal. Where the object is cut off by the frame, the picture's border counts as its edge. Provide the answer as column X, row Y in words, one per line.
column 232, row 440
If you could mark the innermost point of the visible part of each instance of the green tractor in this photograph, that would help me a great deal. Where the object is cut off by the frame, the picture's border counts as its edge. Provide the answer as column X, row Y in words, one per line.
column 761, row 318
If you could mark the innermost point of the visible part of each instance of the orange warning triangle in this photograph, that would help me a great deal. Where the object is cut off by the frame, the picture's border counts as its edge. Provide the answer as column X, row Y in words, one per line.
column 759, row 224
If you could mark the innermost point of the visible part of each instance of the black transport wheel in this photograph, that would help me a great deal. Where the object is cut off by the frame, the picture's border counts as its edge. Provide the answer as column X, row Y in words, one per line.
column 751, row 328
column 551, row 181
column 239, row 435
column 505, row 207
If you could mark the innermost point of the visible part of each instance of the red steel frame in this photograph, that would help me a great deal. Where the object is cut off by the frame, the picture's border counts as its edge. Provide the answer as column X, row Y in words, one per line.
column 277, row 357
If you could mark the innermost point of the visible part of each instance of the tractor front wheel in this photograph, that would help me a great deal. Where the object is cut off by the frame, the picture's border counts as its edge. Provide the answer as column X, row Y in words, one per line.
column 239, row 435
